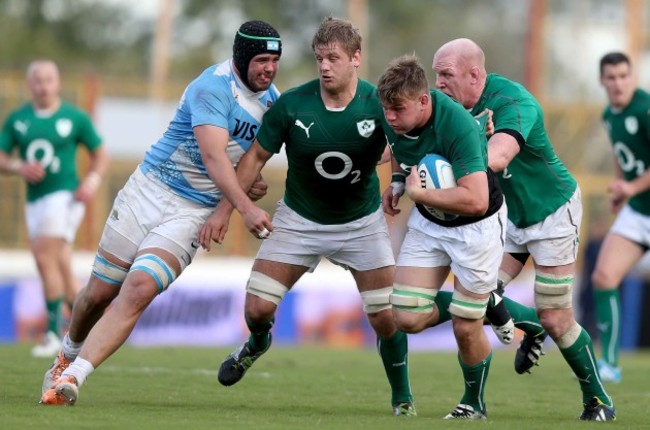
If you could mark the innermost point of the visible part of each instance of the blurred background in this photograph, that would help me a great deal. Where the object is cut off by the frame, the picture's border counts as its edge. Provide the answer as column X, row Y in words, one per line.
column 127, row 62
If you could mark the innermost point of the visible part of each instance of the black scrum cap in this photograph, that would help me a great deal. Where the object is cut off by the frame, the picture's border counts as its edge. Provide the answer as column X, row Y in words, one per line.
column 254, row 38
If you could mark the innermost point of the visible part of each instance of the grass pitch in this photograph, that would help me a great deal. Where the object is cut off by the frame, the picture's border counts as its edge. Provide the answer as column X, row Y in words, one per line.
column 305, row 388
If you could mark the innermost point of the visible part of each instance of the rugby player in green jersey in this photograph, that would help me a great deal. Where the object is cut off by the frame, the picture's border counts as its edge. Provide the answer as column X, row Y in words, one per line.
column 544, row 209
column 421, row 121
column 46, row 133
column 332, row 133
column 627, row 120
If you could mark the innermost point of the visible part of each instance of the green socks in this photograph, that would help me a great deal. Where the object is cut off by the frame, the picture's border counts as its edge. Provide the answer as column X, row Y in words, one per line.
column 580, row 357
column 259, row 339
column 524, row 317
column 475, row 377
column 394, row 356
column 608, row 321
column 54, row 316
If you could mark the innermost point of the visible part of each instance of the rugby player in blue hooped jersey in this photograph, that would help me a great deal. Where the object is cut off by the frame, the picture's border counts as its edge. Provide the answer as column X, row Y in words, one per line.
column 151, row 233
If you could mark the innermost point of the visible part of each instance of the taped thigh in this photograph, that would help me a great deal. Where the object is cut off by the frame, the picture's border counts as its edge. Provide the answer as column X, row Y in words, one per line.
column 467, row 307
column 108, row 272
column 155, row 267
column 265, row 287
column 376, row 300
column 553, row 291
column 413, row 299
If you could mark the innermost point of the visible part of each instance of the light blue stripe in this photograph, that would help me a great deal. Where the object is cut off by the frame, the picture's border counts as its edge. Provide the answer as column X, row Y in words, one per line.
column 106, row 279
column 159, row 261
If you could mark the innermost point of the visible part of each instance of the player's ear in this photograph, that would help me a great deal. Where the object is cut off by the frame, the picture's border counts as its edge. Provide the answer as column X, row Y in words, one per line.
column 475, row 74
column 424, row 99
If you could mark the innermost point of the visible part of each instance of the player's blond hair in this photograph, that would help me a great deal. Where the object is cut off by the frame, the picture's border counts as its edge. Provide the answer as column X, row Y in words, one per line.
column 403, row 79
column 334, row 30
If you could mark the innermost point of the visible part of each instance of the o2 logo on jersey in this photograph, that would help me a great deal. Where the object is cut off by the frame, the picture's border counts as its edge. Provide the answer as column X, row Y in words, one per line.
column 345, row 170
column 41, row 151
column 626, row 159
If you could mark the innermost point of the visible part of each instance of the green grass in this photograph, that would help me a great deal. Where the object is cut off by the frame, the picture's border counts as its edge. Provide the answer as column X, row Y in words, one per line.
column 305, row 388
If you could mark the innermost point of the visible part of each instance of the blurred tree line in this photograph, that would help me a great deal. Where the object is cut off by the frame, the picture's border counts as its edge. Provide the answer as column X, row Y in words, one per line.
column 108, row 38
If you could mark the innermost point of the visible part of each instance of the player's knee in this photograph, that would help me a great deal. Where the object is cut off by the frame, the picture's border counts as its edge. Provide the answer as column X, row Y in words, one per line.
column 148, row 267
column 266, row 288
column 466, row 330
column 409, row 322
column 553, row 291
column 466, row 307
column 375, row 301
column 383, row 323
column 603, row 279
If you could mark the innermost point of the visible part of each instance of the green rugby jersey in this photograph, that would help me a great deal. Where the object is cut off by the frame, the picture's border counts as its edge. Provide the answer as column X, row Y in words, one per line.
column 536, row 182
column 332, row 155
column 629, row 132
column 454, row 134
column 52, row 141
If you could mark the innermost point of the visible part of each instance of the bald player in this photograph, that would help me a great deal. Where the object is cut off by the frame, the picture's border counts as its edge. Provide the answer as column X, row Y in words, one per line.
column 544, row 210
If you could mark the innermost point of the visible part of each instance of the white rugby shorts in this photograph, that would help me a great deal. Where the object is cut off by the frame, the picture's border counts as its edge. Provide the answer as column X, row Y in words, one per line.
column 146, row 214
column 632, row 225
column 362, row 245
column 553, row 241
column 472, row 251
column 56, row 214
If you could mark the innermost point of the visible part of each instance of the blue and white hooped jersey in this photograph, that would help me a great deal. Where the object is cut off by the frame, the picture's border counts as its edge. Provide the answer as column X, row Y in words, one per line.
column 217, row 97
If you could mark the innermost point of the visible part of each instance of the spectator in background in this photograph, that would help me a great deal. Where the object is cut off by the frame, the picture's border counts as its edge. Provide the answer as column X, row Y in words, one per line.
column 151, row 234
column 627, row 120
column 46, row 133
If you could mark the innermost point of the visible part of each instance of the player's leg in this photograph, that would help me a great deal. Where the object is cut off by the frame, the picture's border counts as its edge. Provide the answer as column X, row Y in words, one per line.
column 74, row 216
column 617, row 256
column 474, row 351
column 269, row 281
column 422, row 267
column 51, row 223
column 375, row 286
column 476, row 251
column 553, row 299
column 152, row 271
column 46, row 250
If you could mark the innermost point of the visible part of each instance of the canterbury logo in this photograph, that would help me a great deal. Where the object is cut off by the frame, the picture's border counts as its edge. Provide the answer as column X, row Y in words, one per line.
column 301, row 125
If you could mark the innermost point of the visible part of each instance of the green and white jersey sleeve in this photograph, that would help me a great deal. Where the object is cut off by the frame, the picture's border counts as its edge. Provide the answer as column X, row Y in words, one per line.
column 629, row 132
column 454, row 134
column 332, row 155
column 536, row 182
column 52, row 141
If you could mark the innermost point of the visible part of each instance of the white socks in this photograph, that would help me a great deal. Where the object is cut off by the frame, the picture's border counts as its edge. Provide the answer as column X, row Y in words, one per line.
column 80, row 369
column 69, row 348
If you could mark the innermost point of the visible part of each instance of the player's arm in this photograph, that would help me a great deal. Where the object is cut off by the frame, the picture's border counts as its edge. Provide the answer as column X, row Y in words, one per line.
column 469, row 198
column 31, row 172
column 391, row 195
column 213, row 142
column 99, row 161
column 502, row 148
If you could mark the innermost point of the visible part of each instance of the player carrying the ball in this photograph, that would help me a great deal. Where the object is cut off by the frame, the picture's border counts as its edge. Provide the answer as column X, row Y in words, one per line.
column 425, row 121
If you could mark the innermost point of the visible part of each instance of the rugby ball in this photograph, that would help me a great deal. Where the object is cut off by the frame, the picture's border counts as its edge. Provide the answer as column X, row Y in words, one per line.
column 436, row 173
